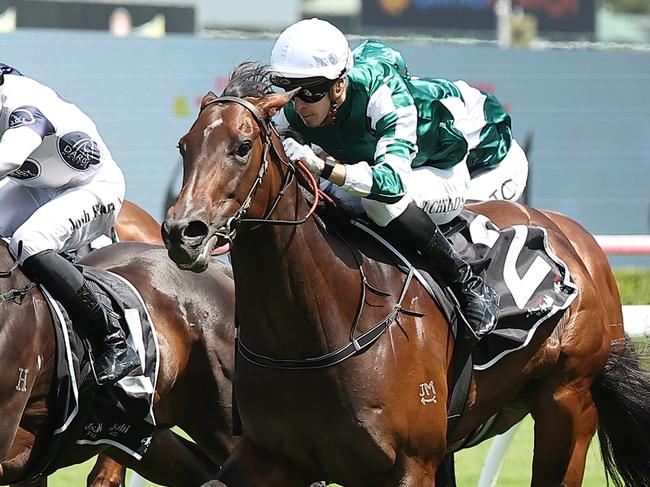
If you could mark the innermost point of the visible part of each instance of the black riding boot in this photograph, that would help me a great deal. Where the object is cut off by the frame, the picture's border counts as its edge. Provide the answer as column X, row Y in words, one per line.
column 479, row 302
column 113, row 358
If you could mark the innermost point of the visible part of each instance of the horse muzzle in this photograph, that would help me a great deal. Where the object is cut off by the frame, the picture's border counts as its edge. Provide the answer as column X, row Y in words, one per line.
column 189, row 243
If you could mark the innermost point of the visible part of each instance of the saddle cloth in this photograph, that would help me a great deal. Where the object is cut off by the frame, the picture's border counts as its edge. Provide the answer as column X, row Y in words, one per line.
column 533, row 283
column 120, row 415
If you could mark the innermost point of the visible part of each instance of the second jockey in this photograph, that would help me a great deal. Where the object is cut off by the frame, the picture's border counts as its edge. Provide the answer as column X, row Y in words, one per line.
column 60, row 189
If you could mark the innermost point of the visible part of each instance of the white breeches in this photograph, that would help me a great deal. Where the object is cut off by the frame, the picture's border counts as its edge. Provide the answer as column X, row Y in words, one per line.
column 441, row 193
column 60, row 219
column 507, row 181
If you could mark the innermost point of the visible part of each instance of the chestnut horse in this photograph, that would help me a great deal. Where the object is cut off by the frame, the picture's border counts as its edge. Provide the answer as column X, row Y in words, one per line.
column 303, row 295
column 193, row 319
column 136, row 225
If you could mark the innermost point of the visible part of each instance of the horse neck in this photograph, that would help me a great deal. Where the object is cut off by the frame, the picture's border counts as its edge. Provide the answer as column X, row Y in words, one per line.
column 27, row 330
column 288, row 281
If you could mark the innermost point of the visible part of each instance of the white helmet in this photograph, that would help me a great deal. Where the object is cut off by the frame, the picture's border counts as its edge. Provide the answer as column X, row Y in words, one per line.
column 311, row 48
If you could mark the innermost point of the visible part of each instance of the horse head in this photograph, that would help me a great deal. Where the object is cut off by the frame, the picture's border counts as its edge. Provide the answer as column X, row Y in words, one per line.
column 227, row 154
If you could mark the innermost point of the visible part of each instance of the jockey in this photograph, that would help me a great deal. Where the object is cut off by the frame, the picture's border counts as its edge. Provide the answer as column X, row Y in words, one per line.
column 62, row 190
column 498, row 166
column 392, row 145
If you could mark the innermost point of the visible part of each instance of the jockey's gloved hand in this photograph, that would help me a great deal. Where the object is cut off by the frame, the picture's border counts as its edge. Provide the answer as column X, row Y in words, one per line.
column 299, row 152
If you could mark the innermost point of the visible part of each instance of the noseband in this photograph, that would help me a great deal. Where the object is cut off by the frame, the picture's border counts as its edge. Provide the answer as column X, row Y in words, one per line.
column 228, row 231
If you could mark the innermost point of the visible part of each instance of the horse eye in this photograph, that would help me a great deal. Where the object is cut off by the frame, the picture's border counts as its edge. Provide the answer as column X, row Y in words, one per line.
column 180, row 148
column 244, row 148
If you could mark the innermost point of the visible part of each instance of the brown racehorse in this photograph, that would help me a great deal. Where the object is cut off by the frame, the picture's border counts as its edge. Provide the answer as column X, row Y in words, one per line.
column 192, row 315
column 136, row 225
column 299, row 295
column 133, row 225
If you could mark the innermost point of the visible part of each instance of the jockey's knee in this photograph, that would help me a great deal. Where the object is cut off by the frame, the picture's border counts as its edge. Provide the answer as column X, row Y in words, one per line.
column 383, row 213
column 33, row 242
column 443, row 210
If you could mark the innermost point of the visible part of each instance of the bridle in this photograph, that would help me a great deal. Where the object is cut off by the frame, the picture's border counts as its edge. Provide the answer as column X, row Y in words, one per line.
column 357, row 344
column 228, row 230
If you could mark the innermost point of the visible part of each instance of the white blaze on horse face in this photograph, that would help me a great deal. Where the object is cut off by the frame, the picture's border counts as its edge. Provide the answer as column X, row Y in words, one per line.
column 428, row 393
column 212, row 125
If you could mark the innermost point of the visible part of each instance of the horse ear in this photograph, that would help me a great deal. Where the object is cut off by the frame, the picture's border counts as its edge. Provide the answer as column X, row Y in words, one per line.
column 270, row 104
column 207, row 99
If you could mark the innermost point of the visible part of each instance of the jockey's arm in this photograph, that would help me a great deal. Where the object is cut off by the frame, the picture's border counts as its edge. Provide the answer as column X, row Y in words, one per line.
column 16, row 145
column 392, row 114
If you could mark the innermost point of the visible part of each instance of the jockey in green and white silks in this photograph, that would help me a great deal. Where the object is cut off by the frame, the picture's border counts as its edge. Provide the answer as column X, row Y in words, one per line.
column 393, row 147
column 497, row 165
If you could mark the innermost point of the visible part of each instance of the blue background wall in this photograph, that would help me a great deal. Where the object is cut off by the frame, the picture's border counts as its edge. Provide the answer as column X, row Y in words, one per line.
column 589, row 111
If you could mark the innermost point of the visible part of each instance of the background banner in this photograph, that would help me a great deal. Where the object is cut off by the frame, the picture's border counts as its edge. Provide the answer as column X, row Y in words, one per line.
column 552, row 15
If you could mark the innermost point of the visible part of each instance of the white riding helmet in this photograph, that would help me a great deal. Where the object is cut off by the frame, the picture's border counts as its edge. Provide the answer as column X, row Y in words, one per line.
column 309, row 49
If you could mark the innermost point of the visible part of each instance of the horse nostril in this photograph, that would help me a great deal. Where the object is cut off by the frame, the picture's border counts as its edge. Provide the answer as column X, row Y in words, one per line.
column 195, row 228
column 164, row 232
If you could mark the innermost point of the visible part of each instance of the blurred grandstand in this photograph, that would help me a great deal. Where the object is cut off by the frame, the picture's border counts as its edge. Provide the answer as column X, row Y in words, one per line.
column 524, row 20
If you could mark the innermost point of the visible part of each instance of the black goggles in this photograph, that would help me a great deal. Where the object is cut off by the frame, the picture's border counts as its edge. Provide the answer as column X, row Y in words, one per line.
column 311, row 89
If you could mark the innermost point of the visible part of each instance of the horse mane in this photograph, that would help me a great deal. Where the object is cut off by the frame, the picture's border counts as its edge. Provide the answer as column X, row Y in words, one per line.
column 249, row 78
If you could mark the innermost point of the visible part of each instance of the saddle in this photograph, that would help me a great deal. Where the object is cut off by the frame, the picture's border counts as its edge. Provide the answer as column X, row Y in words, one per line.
column 534, row 285
column 121, row 414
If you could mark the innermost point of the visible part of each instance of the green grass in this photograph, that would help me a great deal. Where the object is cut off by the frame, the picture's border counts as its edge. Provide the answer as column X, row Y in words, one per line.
column 635, row 289
column 634, row 285
column 516, row 470
column 514, row 473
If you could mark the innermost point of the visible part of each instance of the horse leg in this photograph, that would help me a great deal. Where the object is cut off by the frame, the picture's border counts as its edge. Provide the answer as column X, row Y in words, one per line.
column 192, row 408
column 586, row 430
column 170, row 460
column 252, row 466
column 14, row 463
column 559, row 442
column 214, row 442
column 411, row 472
column 106, row 473
column 446, row 473
column 36, row 483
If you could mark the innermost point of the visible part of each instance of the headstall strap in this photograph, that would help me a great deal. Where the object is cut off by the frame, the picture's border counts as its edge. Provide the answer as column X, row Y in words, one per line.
column 263, row 123
column 268, row 130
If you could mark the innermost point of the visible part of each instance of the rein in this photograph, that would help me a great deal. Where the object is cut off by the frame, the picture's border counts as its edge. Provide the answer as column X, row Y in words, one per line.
column 229, row 230
column 15, row 295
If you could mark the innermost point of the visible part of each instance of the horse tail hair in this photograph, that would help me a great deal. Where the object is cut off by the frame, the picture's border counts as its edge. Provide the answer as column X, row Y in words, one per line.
column 621, row 393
